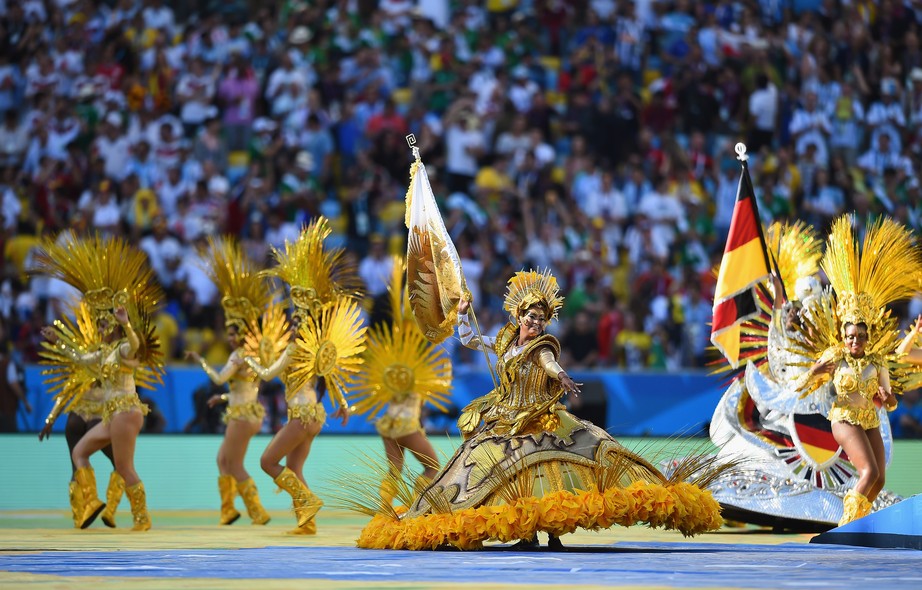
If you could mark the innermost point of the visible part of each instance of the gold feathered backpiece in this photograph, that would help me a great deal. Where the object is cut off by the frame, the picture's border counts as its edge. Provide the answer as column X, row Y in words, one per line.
column 399, row 360
column 329, row 346
column 796, row 251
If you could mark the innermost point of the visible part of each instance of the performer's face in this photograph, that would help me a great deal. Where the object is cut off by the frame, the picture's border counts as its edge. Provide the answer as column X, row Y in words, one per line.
column 233, row 337
column 532, row 322
column 856, row 338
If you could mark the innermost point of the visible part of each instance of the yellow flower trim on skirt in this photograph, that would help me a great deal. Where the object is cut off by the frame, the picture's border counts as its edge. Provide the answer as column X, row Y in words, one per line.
column 124, row 403
column 866, row 418
column 307, row 413
column 682, row 506
column 248, row 412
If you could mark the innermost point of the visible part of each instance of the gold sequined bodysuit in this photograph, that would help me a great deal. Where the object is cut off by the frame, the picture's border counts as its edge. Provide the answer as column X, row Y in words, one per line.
column 243, row 396
column 856, row 382
column 402, row 417
column 302, row 404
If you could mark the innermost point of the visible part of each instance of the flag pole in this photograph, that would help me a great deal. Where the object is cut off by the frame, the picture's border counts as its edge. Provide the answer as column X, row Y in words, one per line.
column 411, row 141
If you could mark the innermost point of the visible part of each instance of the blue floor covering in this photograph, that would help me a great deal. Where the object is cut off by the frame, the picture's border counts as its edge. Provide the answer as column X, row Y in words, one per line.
column 679, row 565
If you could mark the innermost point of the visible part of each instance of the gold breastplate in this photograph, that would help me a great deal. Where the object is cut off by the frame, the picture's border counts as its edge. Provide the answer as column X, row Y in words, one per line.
column 856, row 376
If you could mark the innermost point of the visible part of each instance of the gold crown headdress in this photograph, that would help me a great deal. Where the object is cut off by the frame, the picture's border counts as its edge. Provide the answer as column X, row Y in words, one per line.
column 399, row 360
column 528, row 288
column 797, row 252
column 244, row 294
column 866, row 279
column 318, row 276
column 109, row 272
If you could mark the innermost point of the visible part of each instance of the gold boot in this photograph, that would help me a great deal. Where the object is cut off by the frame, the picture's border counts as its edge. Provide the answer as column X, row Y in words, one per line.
column 138, row 500
column 76, row 502
column 308, row 529
column 113, row 497
column 250, row 495
column 305, row 502
column 855, row 506
column 90, row 506
column 227, row 486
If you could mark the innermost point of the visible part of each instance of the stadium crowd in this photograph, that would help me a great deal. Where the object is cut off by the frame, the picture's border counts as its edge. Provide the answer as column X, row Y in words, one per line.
column 593, row 137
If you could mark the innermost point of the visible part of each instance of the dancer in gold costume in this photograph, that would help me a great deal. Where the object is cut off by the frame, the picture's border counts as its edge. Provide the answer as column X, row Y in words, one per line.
column 854, row 341
column 402, row 372
column 83, row 414
column 244, row 297
column 321, row 352
column 120, row 291
column 528, row 465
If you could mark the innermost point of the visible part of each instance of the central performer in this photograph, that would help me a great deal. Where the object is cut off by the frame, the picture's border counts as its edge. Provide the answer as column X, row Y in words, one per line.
column 526, row 464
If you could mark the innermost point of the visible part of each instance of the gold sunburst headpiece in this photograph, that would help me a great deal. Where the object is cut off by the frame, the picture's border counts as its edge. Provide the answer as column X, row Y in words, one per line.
column 329, row 345
column 866, row 279
column 797, row 253
column 317, row 275
column 528, row 288
column 109, row 272
column 244, row 294
column 399, row 360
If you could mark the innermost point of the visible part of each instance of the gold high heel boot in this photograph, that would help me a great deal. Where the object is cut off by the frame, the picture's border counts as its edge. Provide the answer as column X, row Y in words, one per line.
column 855, row 506
column 227, row 486
column 250, row 495
column 76, row 502
column 138, row 500
column 113, row 496
column 305, row 502
column 90, row 506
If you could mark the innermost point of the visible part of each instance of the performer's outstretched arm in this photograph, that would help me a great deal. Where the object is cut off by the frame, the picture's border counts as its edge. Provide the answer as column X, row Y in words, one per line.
column 275, row 369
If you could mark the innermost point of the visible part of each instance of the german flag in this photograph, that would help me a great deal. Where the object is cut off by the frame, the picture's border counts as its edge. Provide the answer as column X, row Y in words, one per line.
column 744, row 265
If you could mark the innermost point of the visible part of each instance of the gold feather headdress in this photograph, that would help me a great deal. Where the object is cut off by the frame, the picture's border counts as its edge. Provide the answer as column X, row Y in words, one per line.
column 867, row 279
column 863, row 282
column 244, row 294
column 318, row 276
column 528, row 288
column 109, row 272
column 399, row 360
column 796, row 250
